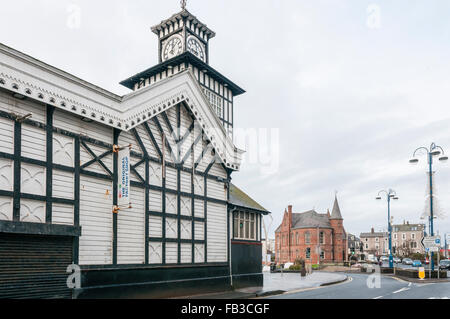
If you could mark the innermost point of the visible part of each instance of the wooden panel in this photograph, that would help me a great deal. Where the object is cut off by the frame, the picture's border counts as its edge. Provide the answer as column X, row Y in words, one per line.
column 155, row 174
column 6, row 136
column 171, row 204
column 199, row 210
column 217, row 232
column 171, row 253
column 96, row 221
column 32, row 211
column 73, row 123
column 171, row 228
column 186, row 184
column 216, row 190
column 199, row 185
column 171, row 178
column 186, row 229
column 218, row 170
column 63, row 150
column 199, row 231
column 62, row 214
column 155, row 201
column 6, row 174
column 131, row 230
column 185, row 206
column 155, row 253
column 186, row 253
column 34, row 142
column 63, row 184
column 155, row 227
column 6, row 205
column 33, row 179
column 199, row 256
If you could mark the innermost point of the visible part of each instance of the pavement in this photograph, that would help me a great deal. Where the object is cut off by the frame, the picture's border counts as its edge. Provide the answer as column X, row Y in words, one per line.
column 277, row 284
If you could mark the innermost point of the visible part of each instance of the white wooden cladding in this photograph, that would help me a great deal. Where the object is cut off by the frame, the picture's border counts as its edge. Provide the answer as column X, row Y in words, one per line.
column 6, row 136
column 131, row 230
column 96, row 241
column 217, row 233
column 34, row 143
column 96, row 221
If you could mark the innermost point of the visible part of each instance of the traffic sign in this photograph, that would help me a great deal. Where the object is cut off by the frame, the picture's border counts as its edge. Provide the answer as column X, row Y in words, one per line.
column 431, row 242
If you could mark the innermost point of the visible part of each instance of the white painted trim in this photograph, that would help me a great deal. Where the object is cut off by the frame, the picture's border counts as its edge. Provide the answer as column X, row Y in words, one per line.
column 39, row 81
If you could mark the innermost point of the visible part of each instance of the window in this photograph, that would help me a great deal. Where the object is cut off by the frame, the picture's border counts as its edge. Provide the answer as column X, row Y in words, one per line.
column 322, row 255
column 216, row 102
column 413, row 236
column 377, row 246
column 321, row 237
column 403, row 236
column 308, row 253
column 395, row 236
column 413, row 244
column 296, row 239
column 376, row 239
column 245, row 226
column 307, row 238
column 367, row 246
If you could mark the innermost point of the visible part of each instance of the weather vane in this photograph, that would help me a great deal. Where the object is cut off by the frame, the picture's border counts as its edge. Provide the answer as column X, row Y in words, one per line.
column 183, row 4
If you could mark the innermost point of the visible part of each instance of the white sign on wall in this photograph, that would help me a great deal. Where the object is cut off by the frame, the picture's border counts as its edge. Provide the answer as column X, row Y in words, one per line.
column 124, row 178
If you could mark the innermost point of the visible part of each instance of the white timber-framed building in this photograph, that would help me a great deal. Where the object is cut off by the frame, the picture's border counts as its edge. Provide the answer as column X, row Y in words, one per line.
column 59, row 178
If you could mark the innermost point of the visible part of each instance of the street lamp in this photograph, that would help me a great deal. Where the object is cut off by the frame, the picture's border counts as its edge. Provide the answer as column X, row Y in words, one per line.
column 390, row 194
column 434, row 150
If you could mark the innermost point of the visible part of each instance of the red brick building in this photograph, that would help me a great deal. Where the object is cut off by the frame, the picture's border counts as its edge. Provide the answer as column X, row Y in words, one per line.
column 317, row 238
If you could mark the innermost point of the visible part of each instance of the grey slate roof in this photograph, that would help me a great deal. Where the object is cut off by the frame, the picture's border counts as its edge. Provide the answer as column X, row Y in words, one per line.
column 336, row 212
column 241, row 199
column 374, row 234
column 310, row 219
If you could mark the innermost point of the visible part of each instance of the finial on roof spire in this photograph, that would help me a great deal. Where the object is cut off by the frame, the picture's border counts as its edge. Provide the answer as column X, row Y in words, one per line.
column 336, row 212
column 183, row 4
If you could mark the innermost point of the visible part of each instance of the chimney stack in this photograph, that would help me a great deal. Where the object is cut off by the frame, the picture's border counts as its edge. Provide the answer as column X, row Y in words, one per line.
column 290, row 215
column 373, row 230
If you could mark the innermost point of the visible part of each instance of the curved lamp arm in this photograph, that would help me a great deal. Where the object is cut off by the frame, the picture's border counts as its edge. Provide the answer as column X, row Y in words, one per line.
column 420, row 148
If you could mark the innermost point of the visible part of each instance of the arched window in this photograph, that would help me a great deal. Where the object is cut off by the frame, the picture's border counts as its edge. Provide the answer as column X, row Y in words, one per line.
column 297, row 239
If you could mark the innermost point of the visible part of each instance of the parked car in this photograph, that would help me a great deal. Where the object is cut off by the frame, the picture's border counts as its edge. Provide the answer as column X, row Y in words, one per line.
column 384, row 258
column 397, row 260
column 372, row 259
column 444, row 264
column 417, row 263
column 407, row 261
column 427, row 261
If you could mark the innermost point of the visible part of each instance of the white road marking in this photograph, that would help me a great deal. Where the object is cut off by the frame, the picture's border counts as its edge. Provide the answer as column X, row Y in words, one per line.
column 379, row 297
column 410, row 284
column 401, row 290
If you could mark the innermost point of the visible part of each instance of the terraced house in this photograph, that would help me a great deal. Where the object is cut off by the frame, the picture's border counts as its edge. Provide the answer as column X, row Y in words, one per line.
column 134, row 189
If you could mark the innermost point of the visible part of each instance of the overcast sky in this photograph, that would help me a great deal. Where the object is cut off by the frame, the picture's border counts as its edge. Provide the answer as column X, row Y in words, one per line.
column 354, row 87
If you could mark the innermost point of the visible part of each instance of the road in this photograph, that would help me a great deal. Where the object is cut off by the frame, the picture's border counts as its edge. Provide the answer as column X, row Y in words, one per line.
column 389, row 288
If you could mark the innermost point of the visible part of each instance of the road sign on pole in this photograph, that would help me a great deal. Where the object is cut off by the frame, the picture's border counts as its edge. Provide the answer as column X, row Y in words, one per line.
column 431, row 242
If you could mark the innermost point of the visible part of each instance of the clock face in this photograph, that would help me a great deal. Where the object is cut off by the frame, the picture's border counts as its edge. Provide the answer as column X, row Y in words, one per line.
column 172, row 48
column 196, row 48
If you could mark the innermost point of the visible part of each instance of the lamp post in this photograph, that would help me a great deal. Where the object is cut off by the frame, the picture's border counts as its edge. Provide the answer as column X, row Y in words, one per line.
column 433, row 150
column 390, row 194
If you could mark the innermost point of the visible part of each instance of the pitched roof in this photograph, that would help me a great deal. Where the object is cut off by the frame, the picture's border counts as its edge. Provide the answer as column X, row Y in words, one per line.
column 36, row 80
column 310, row 219
column 241, row 199
column 336, row 212
column 374, row 234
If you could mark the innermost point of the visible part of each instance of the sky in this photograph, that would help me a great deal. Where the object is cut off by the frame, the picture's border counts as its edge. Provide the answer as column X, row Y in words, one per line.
column 346, row 90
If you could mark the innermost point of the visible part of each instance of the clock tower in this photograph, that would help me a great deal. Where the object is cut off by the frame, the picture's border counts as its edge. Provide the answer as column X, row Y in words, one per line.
column 183, row 32
column 183, row 43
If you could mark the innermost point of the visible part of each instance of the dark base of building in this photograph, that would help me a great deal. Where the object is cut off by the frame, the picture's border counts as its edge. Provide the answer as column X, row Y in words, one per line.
column 152, row 283
column 249, row 280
